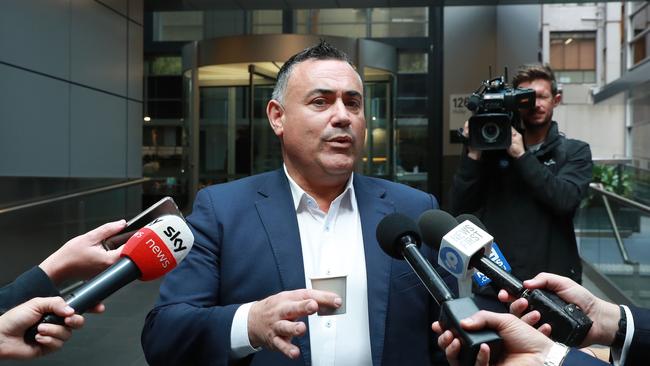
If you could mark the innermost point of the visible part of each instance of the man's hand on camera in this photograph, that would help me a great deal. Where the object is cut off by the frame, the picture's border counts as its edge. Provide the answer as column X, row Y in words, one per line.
column 473, row 154
column 517, row 148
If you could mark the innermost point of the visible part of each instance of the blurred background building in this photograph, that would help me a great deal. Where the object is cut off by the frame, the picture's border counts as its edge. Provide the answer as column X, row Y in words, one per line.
column 107, row 106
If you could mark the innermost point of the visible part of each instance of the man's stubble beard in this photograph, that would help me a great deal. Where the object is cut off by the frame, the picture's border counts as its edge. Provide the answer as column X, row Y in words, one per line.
column 537, row 126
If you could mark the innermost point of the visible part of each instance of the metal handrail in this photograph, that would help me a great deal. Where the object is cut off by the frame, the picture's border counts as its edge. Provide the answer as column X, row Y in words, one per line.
column 606, row 195
column 612, row 161
column 620, row 199
column 47, row 201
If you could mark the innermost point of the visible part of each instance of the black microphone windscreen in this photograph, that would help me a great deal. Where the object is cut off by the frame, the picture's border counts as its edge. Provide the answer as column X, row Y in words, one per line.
column 434, row 224
column 391, row 229
column 473, row 219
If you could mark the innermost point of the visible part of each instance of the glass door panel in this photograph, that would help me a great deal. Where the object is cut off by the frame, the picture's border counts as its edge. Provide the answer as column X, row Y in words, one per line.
column 267, row 154
column 379, row 158
column 223, row 136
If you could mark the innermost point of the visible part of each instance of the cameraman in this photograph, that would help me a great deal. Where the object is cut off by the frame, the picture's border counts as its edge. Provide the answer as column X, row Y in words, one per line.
column 527, row 194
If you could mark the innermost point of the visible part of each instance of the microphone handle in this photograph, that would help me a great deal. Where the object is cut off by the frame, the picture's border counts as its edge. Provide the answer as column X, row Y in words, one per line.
column 568, row 322
column 498, row 275
column 422, row 268
column 123, row 272
column 451, row 313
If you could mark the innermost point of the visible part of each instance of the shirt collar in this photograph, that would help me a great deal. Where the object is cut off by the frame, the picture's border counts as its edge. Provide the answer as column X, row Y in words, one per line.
column 298, row 194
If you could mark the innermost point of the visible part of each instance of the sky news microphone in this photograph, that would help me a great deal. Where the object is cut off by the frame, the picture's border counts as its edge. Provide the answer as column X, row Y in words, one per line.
column 569, row 325
column 399, row 237
column 150, row 253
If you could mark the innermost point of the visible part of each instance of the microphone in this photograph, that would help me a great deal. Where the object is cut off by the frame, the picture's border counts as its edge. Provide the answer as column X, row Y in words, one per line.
column 459, row 243
column 569, row 324
column 399, row 237
column 495, row 253
column 150, row 253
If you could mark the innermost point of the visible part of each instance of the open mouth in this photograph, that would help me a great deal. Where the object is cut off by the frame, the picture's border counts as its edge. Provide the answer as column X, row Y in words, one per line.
column 341, row 139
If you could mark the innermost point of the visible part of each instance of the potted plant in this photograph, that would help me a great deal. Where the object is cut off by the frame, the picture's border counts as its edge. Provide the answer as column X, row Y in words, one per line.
column 593, row 216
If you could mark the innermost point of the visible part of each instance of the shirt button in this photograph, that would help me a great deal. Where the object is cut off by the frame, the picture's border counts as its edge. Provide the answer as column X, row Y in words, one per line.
column 328, row 324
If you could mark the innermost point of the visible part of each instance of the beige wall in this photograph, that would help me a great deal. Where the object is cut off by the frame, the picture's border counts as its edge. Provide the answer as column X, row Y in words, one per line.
column 600, row 125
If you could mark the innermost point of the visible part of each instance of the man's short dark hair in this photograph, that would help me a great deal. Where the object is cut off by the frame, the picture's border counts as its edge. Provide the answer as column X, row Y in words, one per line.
column 321, row 51
column 530, row 72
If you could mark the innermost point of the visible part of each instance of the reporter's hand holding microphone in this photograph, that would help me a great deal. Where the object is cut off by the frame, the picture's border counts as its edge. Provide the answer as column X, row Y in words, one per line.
column 523, row 344
column 604, row 315
column 42, row 325
column 465, row 242
column 150, row 253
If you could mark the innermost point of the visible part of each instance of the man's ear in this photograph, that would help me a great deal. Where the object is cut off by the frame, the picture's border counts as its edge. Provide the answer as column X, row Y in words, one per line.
column 557, row 99
column 275, row 114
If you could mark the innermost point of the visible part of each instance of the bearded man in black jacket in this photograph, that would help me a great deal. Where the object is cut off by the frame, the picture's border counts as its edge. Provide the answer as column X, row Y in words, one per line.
column 527, row 195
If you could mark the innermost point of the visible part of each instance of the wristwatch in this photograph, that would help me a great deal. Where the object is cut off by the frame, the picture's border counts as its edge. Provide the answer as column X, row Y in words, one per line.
column 556, row 355
column 619, row 337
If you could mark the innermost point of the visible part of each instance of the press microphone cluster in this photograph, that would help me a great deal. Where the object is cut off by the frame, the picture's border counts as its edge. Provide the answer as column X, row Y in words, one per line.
column 150, row 253
column 399, row 237
column 462, row 248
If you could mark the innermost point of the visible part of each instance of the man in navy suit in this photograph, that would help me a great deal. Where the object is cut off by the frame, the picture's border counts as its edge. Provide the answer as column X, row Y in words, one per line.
column 243, row 295
column 625, row 328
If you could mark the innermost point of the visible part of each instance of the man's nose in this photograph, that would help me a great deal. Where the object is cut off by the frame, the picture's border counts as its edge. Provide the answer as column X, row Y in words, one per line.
column 341, row 113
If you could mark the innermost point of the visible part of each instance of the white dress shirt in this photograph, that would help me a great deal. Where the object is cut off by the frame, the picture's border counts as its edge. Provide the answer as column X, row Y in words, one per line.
column 332, row 245
column 619, row 356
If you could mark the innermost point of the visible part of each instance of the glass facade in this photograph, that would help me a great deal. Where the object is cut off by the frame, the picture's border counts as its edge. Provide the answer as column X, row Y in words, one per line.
column 396, row 105
column 173, row 26
column 412, row 118
column 640, row 24
column 162, row 129
column 573, row 56
column 639, row 100
column 177, row 26
column 333, row 22
column 399, row 22
column 369, row 22
column 266, row 21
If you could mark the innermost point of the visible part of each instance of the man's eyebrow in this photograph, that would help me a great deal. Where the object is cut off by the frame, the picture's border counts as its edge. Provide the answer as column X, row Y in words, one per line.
column 319, row 92
column 349, row 93
column 353, row 93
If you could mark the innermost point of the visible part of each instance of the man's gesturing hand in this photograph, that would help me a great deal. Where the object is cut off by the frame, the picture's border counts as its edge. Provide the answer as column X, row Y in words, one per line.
column 272, row 322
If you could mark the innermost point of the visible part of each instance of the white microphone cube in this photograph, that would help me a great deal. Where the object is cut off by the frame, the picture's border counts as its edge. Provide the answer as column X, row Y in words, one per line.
column 459, row 245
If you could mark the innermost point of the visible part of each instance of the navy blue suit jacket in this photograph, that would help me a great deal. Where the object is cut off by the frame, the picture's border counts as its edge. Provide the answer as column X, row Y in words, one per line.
column 247, row 247
column 639, row 353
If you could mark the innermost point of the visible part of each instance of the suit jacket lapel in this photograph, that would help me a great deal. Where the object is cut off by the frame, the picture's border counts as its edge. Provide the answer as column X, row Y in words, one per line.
column 278, row 215
column 373, row 206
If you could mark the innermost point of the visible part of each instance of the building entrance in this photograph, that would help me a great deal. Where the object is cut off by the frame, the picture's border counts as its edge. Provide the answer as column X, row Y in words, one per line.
column 227, row 84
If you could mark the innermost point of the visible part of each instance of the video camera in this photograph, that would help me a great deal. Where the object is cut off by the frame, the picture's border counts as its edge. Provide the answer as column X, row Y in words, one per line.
column 496, row 108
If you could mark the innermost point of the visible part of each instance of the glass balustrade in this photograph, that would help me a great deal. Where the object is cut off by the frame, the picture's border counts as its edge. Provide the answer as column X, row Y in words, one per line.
column 626, row 264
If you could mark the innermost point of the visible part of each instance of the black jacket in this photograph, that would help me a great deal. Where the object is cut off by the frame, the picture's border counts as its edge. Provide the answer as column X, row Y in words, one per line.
column 528, row 204
column 33, row 283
